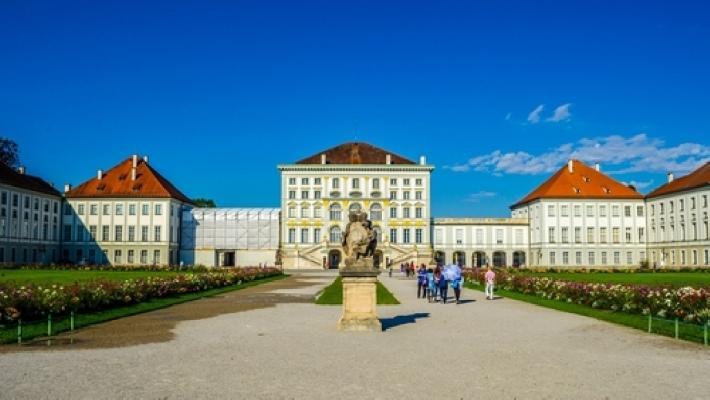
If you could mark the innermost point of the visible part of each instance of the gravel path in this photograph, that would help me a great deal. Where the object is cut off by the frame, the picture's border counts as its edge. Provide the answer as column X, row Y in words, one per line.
column 500, row 349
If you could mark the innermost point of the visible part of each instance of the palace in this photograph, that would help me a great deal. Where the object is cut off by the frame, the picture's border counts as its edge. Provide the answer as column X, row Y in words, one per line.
column 130, row 214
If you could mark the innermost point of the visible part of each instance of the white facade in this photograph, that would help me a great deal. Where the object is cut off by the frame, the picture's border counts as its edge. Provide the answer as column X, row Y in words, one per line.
column 230, row 236
column 29, row 226
column 585, row 233
column 678, row 228
column 476, row 242
column 122, row 231
column 316, row 200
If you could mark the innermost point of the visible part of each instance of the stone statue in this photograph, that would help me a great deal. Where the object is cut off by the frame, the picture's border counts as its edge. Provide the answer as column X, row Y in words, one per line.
column 359, row 240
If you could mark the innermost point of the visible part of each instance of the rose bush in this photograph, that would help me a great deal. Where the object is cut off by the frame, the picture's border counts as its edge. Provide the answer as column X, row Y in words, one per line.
column 686, row 303
column 30, row 302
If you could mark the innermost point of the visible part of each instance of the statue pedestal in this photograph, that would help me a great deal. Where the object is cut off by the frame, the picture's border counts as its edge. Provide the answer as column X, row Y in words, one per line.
column 359, row 300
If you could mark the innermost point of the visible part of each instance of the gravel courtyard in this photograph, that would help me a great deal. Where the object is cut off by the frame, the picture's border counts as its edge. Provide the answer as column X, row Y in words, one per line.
column 499, row 349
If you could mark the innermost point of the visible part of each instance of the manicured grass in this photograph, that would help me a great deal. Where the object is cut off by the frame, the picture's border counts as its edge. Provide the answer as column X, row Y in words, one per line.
column 676, row 279
column 333, row 294
column 688, row 332
column 68, row 277
column 8, row 333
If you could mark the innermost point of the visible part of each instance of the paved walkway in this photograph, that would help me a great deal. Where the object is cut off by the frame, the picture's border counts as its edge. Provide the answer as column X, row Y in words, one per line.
column 481, row 349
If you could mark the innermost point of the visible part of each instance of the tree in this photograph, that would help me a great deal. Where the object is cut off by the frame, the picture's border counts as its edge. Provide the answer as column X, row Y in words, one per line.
column 204, row 203
column 9, row 153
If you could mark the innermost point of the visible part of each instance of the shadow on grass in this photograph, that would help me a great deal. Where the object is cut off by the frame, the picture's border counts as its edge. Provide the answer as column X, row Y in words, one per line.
column 389, row 323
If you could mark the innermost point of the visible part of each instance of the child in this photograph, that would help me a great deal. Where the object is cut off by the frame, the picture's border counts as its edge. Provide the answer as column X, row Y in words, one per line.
column 490, row 280
column 431, row 284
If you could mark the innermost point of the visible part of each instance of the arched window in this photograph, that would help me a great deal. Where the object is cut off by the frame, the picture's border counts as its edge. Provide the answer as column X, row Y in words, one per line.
column 335, row 234
column 355, row 207
column 336, row 183
column 376, row 212
column 335, row 212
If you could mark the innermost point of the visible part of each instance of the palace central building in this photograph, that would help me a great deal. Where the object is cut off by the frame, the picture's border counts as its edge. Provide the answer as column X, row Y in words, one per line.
column 318, row 192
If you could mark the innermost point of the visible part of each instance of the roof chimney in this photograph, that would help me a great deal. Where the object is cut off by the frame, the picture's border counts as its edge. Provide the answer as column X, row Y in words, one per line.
column 388, row 159
column 670, row 177
column 134, row 166
column 145, row 159
column 135, row 160
column 322, row 158
column 21, row 170
column 570, row 166
column 422, row 160
column 67, row 187
column 99, row 174
column 597, row 167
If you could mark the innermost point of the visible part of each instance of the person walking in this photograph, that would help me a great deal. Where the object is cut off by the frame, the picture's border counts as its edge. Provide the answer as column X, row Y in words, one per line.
column 456, row 283
column 443, row 287
column 490, row 278
column 431, row 285
column 437, row 278
column 421, row 282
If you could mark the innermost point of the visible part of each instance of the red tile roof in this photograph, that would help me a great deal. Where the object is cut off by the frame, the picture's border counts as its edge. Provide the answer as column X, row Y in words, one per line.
column 698, row 178
column 583, row 182
column 12, row 177
column 355, row 153
column 118, row 182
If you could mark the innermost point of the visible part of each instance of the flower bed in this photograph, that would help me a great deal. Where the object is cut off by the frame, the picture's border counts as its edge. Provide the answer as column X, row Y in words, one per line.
column 686, row 303
column 30, row 301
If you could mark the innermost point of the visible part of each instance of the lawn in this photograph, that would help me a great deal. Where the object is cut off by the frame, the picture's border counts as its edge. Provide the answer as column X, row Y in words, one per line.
column 333, row 294
column 67, row 277
column 8, row 333
column 676, row 279
column 689, row 332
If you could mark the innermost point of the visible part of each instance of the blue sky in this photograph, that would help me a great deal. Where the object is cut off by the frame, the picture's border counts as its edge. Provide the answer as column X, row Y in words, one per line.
column 495, row 95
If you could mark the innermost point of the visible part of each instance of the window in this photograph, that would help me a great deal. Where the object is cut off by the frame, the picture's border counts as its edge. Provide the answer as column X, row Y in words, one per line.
column 304, row 235
column 479, row 236
column 118, row 233
column 335, row 212
column 144, row 256
column 627, row 211
column 130, row 256
column 376, row 212
column 67, row 233
column 131, row 209
column 617, row 257
column 316, row 181
column 158, row 209
column 590, row 211
column 316, row 235
column 172, row 210
column 393, row 182
column 578, row 235
column 376, row 183
column 705, row 201
column 670, row 207
column 393, row 195
column 627, row 235
column 641, row 236
column 565, row 257
column 418, row 235
column 405, row 212
column 639, row 211
column 418, row 181
column 406, row 182
column 156, row 233
column 80, row 209
column 156, row 256
column 405, row 195
column 602, row 211
column 131, row 233
column 459, row 236
column 117, row 257
column 356, row 183
column 145, row 209
column 335, row 234
column 615, row 211
column 92, row 232
column 604, row 260
column 336, row 183
column 578, row 258
column 291, row 194
column 317, row 212
column 577, row 211
column 93, row 209
column 438, row 236
column 292, row 235
column 316, row 194
column 551, row 235
column 681, row 205
column 590, row 235
column 304, row 212
column 564, row 235
column 292, row 212
column 119, row 209
column 590, row 258
column 291, row 181
column 602, row 234
column 629, row 257
column 418, row 212
column 615, row 235
column 104, row 233
column 304, row 181
column 418, row 195
column 405, row 235
column 393, row 212
column 563, row 211
column 393, row 235
column 550, row 211
column 499, row 236
column 552, row 258
column 144, row 233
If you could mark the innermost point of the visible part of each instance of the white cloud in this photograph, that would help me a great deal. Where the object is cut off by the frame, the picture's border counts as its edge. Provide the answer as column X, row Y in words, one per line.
column 534, row 116
column 561, row 113
column 476, row 197
column 507, row 116
column 638, row 153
